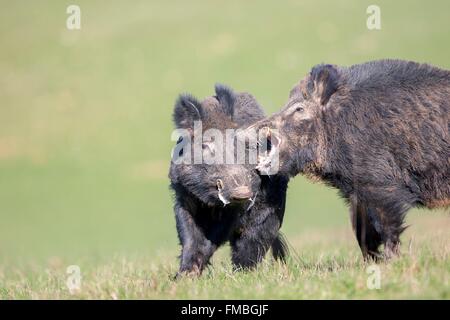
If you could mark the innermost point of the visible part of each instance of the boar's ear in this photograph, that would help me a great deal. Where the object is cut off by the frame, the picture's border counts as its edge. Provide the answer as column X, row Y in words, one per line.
column 226, row 97
column 323, row 82
column 187, row 110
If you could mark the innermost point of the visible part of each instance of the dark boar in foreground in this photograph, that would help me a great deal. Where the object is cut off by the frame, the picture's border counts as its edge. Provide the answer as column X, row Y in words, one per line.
column 379, row 132
column 216, row 203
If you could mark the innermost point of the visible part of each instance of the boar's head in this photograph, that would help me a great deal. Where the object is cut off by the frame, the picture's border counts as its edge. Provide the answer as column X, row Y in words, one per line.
column 299, row 139
column 203, row 161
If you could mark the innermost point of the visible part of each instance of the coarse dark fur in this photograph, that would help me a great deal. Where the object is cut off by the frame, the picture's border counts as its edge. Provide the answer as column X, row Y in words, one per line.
column 380, row 133
column 252, row 219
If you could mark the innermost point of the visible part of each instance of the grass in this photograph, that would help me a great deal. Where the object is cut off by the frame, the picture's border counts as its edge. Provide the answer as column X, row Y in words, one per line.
column 85, row 123
column 324, row 265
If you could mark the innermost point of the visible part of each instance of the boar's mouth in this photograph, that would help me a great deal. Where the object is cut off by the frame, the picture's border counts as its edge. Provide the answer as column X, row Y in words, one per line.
column 268, row 157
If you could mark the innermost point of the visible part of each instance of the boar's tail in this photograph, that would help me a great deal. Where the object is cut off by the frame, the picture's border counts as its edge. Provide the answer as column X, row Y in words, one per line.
column 280, row 248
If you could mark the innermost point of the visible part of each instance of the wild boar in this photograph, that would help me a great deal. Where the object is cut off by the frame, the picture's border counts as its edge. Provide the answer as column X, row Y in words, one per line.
column 379, row 133
column 218, row 201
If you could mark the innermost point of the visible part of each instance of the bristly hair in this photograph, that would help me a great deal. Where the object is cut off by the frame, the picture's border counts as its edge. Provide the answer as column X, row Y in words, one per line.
column 280, row 249
column 187, row 110
column 226, row 97
column 324, row 81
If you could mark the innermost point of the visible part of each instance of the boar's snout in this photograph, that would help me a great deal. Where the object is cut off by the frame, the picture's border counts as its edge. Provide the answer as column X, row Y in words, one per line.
column 233, row 190
column 240, row 194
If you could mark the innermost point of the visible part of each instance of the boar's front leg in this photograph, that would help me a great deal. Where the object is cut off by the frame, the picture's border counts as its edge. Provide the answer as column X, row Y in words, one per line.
column 196, row 248
column 252, row 241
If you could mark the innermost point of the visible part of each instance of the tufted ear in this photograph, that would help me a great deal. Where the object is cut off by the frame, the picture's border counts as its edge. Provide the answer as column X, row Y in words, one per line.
column 226, row 97
column 187, row 110
column 323, row 82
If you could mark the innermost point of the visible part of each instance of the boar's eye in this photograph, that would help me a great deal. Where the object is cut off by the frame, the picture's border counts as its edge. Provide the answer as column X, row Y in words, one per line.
column 297, row 107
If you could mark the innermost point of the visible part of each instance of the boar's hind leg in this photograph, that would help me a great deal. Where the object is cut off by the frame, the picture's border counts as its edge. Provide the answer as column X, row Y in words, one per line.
column 392, row 223
column 374, row 226
column 196, row 248
column 364, row 227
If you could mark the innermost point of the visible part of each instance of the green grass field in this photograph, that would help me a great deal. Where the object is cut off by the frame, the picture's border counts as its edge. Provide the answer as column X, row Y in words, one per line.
column 85, row 124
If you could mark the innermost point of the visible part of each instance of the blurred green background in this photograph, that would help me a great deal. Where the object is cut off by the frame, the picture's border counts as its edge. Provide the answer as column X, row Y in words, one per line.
column 85, row 115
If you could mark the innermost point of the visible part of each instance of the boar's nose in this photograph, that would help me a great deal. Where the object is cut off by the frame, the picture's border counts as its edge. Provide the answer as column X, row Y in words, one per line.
column 242, row 193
